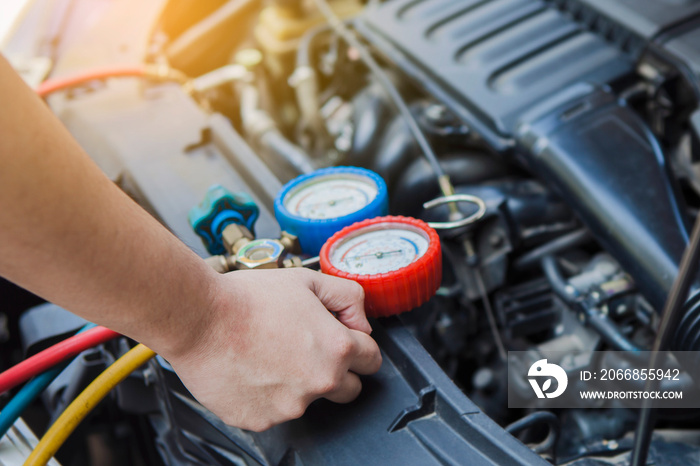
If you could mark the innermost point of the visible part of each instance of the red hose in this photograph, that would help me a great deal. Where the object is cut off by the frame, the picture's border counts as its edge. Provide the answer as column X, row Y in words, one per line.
column 52, row 85
column 57, row 353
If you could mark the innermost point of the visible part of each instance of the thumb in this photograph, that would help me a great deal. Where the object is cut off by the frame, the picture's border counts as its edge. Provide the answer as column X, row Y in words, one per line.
column 345, row 298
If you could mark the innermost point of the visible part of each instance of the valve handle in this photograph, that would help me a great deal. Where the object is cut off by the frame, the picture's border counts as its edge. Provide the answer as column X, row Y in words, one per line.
column 219, row 209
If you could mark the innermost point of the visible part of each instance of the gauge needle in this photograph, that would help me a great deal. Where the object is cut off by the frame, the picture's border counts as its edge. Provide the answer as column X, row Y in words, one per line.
column 332, row 202
column 378, row 255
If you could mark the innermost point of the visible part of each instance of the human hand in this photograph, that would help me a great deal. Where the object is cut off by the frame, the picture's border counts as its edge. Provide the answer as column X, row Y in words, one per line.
column 270, row 346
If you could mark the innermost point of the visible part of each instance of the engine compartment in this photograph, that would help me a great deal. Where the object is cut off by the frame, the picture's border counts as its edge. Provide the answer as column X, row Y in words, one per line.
column 576, row 123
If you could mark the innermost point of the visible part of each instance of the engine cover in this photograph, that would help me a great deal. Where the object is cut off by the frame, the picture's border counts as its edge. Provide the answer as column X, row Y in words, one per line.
column 490, row 61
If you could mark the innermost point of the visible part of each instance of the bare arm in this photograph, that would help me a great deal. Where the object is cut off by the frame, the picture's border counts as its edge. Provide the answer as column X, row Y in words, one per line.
column 70, row 235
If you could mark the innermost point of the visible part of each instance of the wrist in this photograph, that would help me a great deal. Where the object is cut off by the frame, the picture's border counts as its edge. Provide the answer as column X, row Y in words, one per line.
column 188, row 324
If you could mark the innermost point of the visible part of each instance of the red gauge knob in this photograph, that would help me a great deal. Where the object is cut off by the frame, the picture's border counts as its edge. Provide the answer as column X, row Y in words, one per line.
column 397, row 260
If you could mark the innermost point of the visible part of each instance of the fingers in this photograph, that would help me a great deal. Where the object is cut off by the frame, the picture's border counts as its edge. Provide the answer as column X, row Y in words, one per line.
column 344, row 297
column 367, row 357
column 361, row 355
column 348, row 389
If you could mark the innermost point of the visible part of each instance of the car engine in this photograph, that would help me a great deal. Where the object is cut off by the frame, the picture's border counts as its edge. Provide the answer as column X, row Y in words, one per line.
column 573, row 123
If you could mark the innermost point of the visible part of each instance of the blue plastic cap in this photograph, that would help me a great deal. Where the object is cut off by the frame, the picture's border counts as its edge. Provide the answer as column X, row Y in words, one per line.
column 313, row 233
column 219, row 209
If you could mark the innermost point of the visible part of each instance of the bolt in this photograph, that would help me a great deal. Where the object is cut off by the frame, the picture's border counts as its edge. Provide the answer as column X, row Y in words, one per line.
column 437, row 114
column 496, row 239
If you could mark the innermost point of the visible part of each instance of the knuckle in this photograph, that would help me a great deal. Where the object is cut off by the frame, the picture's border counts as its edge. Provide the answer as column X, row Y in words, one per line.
column 356, row 389
column 344, row 347
column 295, row 411
column 327, row 385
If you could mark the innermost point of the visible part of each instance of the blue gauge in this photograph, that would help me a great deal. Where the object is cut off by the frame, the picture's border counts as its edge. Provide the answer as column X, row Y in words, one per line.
column 315, row 206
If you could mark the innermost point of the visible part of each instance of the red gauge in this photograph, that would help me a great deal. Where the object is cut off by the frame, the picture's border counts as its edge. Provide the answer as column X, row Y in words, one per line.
column 397, row 260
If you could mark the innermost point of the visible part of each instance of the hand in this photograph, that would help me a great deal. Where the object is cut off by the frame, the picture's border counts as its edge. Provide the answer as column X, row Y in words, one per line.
column 271, row 347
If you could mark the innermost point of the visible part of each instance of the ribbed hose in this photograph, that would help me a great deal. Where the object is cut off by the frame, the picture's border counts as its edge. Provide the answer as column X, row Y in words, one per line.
column 674, row 314
column 688, row 333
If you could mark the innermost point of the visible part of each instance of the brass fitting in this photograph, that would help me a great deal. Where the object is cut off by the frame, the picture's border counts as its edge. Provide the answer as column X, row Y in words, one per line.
column 260, row 254
column 294, row 261
column 235, row 237
column 248, row 253
column 290, row 243
column 221, row 264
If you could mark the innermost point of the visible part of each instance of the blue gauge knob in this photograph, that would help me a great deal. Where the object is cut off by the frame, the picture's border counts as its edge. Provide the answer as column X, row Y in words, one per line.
column 315, row 206
column 219, row 209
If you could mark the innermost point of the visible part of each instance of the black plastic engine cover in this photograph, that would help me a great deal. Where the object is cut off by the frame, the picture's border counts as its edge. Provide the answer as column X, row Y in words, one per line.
column 645, row 18
column 490, row 61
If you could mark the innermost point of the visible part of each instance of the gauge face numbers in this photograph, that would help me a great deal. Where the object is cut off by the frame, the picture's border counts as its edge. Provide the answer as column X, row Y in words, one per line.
column 331, row 196
column 380, row 248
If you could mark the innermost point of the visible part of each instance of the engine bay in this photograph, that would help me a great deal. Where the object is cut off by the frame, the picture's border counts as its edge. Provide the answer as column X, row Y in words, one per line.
column 568, row 133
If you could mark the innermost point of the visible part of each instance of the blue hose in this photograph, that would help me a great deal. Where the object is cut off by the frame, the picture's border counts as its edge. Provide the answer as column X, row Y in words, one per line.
column 26, row 396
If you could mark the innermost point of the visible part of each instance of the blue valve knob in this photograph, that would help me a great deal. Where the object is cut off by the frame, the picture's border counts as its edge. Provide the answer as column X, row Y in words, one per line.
column 219, row 209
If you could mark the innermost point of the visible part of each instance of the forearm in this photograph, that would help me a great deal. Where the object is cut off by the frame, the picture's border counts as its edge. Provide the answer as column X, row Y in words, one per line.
column 70, row 235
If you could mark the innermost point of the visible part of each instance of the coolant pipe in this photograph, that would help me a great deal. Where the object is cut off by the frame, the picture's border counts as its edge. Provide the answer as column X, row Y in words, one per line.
column 557, row 280
column 157, row 72
column 260, row 126
column 277, row 143
column 305, row 81
column 605, row 327
column 537, row 419
column 609, row 331
column 567, row 241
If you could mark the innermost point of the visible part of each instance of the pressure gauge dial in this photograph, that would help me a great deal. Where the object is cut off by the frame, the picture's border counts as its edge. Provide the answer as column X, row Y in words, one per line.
column 332, row 197
column 315, row 206
column 397, row 260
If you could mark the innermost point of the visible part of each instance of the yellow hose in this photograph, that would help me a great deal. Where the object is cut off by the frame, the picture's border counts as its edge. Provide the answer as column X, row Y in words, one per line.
column 85, row 402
